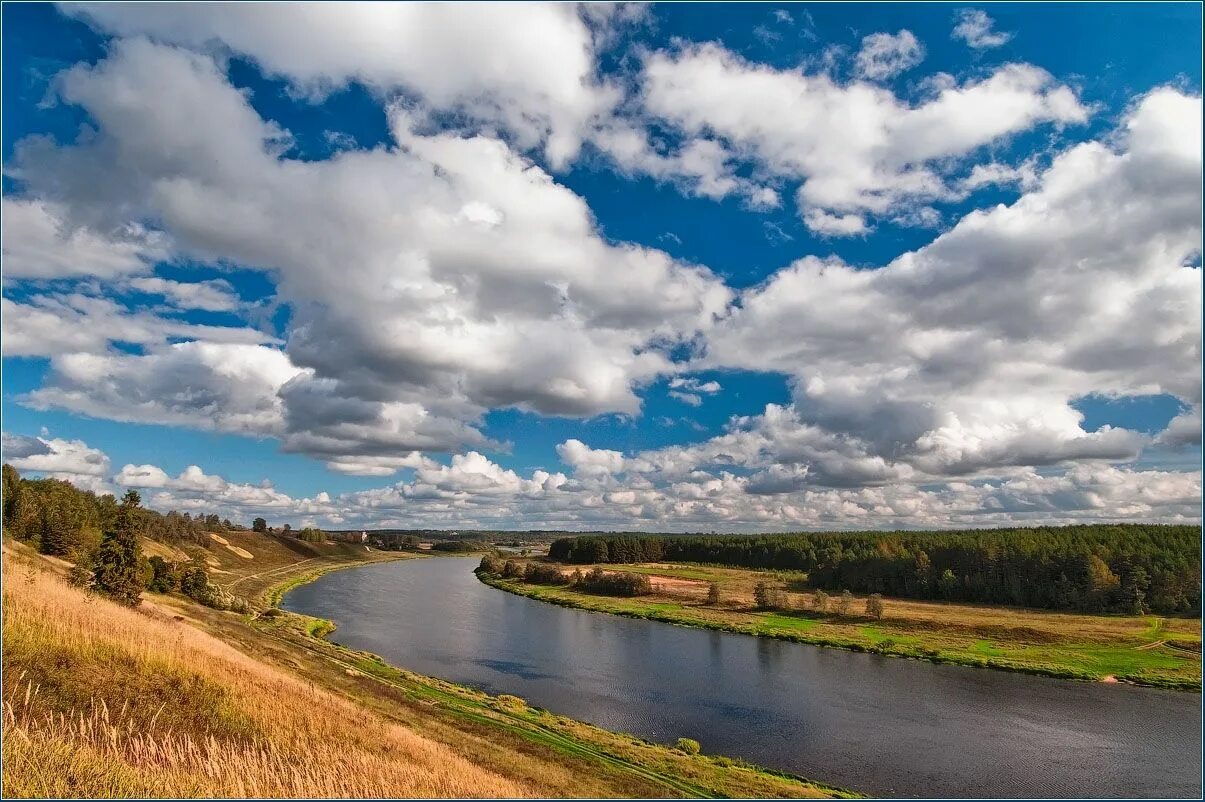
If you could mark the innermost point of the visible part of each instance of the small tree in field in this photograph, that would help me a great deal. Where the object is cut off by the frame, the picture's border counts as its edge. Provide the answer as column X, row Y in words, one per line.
column 820, row 600
column 845, row 603
column 259, row 525
column 874, row 605
column 118, row 568
column 761, row 596
column 713, row 593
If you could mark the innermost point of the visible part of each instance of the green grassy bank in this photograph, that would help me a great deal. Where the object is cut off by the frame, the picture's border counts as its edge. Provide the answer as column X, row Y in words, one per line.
column 1068, row 647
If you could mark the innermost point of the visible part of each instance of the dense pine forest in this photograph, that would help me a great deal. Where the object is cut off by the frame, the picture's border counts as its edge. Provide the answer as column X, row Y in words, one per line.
column 1127, row 568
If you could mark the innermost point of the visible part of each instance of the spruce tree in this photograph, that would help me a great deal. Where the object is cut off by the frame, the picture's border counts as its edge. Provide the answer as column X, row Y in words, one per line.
column 118, row 561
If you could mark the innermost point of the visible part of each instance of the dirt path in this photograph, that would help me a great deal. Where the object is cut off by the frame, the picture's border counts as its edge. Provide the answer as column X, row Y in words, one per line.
column 272, row 571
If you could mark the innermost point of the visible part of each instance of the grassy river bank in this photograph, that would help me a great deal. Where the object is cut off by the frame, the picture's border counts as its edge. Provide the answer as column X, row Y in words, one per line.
column 1146, row 650
column 173, row 699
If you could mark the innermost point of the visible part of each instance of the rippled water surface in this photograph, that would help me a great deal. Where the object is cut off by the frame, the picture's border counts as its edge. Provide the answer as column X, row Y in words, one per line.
column 879, row 725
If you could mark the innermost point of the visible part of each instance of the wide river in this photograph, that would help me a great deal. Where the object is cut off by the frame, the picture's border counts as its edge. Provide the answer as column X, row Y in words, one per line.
column 879, row 725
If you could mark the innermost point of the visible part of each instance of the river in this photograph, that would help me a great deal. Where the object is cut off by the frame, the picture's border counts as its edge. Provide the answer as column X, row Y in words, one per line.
column 880, row 725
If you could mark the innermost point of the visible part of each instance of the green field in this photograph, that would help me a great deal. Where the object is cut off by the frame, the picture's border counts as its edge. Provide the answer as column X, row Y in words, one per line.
column 1146, row 650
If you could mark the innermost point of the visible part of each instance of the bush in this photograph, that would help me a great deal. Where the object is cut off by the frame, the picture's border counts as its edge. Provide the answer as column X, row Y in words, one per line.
column 512, row 569
column 845, row 603
column 490, row 564
column 713, row 593
column 768, row 598
column 544, row 574
column 688, row 745
column 165, row 576
column 820, row 601
column 618, row 584
column 874, row 605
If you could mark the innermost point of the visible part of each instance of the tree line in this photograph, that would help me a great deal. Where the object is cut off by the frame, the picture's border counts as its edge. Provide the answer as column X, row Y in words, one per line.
column 1131, row 568
column 102, row 537
column 596, row 580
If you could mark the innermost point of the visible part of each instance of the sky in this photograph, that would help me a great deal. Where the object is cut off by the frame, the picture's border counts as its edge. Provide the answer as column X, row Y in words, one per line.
column 674, row 267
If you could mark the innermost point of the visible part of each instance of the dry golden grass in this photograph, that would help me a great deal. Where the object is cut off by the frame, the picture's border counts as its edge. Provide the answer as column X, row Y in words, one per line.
column 105, row 701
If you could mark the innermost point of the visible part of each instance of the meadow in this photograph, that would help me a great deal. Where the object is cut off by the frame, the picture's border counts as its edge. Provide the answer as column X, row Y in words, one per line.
column 1154, row 650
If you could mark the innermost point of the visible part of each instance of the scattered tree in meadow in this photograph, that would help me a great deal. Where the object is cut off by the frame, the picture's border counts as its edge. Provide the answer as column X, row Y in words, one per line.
column 761, row 596
column 820, row 601
column 845, row 603
column 118, row 568
column 713, row 593
column 259, row 525
column 874, row 605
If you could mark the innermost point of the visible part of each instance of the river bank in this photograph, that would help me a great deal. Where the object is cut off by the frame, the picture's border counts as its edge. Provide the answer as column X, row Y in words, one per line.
column 1084, row 648
column 417, row 735
column 667, row 768
column 884, row 726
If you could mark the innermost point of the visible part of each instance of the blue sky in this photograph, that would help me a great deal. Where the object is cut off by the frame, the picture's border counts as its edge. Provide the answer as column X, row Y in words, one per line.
column 866, row 420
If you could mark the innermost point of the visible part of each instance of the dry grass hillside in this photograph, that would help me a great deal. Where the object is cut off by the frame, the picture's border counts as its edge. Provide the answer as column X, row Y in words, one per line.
column 80, row 676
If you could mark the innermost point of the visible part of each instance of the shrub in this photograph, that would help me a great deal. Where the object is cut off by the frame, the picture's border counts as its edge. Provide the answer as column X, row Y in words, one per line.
column 490, row 564
column 165, row 576
column 874, row 605
column 845, row 603
column 768, row 598
column 820, row 601
column 761, row 596
column 713, row 593
column 512, row 569
column 543, row 574
column 688, row 745
column 618, row 584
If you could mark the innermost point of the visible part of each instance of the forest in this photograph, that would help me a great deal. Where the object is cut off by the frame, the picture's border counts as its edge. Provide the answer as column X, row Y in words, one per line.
column 101, row 536
column 1130, row 568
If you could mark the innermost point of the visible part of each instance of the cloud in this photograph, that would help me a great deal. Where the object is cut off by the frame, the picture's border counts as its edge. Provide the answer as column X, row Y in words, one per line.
column 211, row 296
column 70, row 460
column 429, row 281
column 885, row 55
column 589, row 461
column 1182, row 430
column 530, row 68
column 19, row 446
column 38, row 243
column 59, row 324
column 964, row 357
column 975, row 28
column 792, row 124
column 472, row 491
column 204, row 385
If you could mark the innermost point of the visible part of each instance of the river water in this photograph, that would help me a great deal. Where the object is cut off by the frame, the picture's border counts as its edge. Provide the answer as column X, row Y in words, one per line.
column 883, row 726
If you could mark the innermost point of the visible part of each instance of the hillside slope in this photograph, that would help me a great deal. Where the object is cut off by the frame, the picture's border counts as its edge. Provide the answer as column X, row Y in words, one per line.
column 101, row 700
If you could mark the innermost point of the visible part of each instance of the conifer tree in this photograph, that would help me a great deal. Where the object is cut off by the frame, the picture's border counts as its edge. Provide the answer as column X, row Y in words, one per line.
column 119, row 560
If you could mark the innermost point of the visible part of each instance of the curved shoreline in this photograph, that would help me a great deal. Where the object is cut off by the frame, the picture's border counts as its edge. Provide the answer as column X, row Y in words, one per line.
column 510, row 712
column 652, row 614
